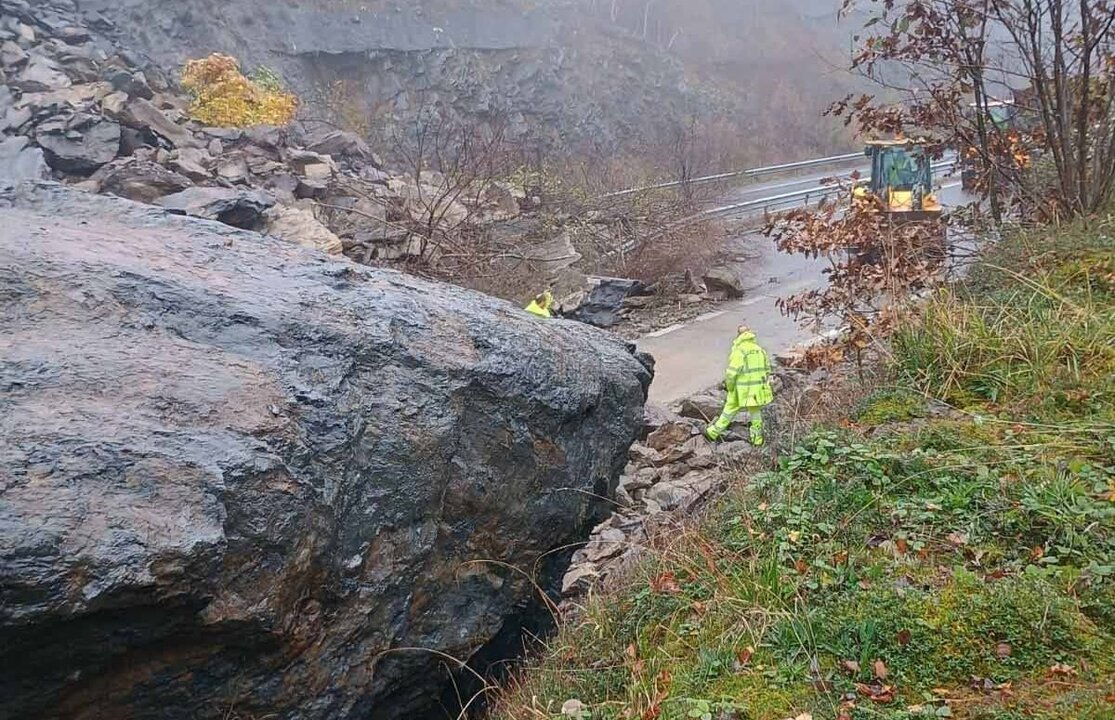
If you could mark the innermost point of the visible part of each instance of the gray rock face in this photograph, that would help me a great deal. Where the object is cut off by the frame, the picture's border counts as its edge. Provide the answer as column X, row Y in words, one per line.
column 238, row 208
column 240, row 474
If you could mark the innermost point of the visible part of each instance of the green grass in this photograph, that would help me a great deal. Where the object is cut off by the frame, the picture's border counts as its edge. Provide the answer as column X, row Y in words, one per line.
column 950, row 567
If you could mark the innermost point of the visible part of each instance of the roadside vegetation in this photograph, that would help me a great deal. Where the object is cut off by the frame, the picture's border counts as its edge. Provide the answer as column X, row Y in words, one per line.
column 947, row 550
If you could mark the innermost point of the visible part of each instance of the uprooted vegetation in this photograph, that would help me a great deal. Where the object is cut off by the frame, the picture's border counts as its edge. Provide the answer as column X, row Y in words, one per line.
column 946, row 551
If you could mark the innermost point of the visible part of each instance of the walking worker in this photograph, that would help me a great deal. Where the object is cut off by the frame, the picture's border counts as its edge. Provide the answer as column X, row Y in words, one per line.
column 747, row 381
column 541, row 305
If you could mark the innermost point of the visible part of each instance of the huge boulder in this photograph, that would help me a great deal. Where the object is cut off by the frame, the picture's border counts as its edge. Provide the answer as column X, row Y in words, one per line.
column 725, row 281
column 240, row 476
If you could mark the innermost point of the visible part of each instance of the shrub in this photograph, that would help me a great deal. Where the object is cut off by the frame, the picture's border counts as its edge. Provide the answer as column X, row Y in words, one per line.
column 224, row 97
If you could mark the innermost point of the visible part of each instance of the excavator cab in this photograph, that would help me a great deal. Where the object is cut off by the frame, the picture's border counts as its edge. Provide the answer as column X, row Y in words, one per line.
column 901, row 181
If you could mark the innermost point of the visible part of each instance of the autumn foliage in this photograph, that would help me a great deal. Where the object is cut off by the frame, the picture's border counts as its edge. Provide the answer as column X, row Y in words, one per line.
column 225, row 97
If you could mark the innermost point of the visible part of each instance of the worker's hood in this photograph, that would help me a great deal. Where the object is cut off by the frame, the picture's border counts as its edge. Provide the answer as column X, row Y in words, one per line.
column 744, row 338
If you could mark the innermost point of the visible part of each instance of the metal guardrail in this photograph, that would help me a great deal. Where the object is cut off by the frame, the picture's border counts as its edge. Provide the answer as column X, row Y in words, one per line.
column 754, row 172
column 820, row 192
column 798, row 198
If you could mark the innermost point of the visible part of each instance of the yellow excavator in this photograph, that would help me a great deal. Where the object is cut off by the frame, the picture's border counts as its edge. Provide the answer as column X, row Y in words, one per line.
column 901, row 182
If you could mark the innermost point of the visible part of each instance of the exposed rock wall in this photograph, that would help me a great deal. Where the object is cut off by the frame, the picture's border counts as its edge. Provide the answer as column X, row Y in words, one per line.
column 240, row 476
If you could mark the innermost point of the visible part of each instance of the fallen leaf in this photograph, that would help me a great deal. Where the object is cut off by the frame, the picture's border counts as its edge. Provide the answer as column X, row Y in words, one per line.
column 801, row 566
column 665, row 584
column 763, row 507
column 851, row 666
column 959, row 539
column 903, row 638
column 1062, row 670
column 1037, row 553
column 901, row 546
column 876, row 693
column 880, row 669
column 744, row 656
column 840, row 558
column 1003, row 650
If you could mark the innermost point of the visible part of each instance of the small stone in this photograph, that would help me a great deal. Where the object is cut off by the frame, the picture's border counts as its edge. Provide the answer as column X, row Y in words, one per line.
column 669, row 436
column 579, row 580
column 705, row 407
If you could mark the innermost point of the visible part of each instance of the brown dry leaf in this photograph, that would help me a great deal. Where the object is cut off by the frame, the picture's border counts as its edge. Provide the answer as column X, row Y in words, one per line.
column 876, row 693
column 840, row 558
column 744, row 656
column 1037, row 553
column 1003, row 650
column 880, row 669
column 850, row 666
column 665, row 584
column 901, row 546
column 801, row 566
column 903, row 638
column 959, row 539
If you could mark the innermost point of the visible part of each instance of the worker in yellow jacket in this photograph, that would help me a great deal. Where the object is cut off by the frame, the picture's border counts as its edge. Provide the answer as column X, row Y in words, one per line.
column 747, row 381
column 541, row 305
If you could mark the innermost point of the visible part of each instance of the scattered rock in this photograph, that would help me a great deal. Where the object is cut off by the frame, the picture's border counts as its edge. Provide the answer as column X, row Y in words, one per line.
column 604, row 305
column 669, row 436
column 143, row 115
column 706, row 407
column 194, row 163
column 233, row 169
column 41, row 75
column 642, row 456
column 578, row 580
column 299, row 226
column 79, row 145
column 140, row 180
column 133, row 84
column 724, row 280
column 338, row 143
column 238, row 208
column 642, row 479
column 604, row 545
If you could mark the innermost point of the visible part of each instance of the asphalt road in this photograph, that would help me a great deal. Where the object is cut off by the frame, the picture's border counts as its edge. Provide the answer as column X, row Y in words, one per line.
column 691, row 357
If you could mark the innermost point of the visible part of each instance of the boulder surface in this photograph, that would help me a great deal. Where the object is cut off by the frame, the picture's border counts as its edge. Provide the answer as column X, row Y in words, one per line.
column 241, row 477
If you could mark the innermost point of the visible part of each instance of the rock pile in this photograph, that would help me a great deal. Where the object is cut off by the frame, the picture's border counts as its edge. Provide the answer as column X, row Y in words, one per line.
column 668, row 475
column 75, row 107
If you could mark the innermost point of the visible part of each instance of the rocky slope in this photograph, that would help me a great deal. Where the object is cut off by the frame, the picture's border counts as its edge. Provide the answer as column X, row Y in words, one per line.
column 240, row 476
column 573, row 77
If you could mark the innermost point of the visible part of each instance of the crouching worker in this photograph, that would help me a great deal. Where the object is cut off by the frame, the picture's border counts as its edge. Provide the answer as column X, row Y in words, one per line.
column 541, row 305
column 747, row 381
